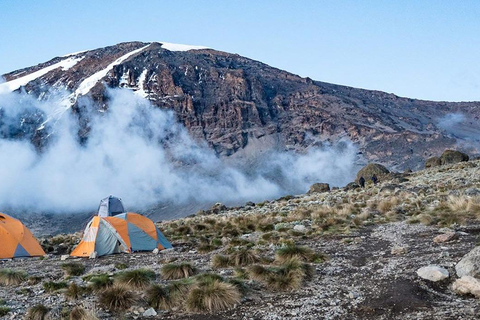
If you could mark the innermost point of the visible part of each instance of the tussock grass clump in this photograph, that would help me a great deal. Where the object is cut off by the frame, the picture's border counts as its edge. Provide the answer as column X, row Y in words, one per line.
column 158, row 297
column 4, row 310
column 37, row 312
column 9, row 277
column 177, row 292
column 288, row 276
column 221, row 261
column 121, row 266
column 206, row 247
column 212, row 296
column 387, row 204
column 75, row 291
column 173, row 271
column 73, row 268
column 244, row 257
column 290, row 251
column 99, row 282
column 117, row 298
column 135, row 279
column 79, row 313
column 52, row 286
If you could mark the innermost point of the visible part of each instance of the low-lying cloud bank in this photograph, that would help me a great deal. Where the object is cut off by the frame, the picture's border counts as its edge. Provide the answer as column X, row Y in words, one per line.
column 140, row 153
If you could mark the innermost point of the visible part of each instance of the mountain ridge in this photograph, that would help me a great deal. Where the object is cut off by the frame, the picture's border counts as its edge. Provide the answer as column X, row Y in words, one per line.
column 236, row 103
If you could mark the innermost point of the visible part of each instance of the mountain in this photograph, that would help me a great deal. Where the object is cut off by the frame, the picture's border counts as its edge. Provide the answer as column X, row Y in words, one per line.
column 242, row 107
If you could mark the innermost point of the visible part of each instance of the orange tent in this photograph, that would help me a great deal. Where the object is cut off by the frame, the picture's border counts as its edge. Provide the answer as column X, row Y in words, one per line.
column 16, row 240
column 125, row 232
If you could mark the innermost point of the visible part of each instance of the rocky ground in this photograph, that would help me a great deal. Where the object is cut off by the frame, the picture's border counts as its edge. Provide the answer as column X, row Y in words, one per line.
column 375, row 239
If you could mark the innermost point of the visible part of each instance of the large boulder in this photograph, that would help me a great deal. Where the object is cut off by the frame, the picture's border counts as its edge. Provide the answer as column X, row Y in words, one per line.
column 319, row 187
column 469, row 265
column 453, row 156
column 433, row 162
column 372, row 169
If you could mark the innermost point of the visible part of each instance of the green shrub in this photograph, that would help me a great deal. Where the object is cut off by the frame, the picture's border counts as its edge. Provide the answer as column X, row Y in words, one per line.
column 52, row 286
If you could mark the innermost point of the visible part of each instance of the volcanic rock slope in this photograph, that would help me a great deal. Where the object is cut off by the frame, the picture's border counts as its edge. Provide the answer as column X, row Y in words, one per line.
column 241, row 107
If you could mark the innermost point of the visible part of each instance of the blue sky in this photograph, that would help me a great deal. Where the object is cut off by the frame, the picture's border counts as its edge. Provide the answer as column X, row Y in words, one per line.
column 419, row 49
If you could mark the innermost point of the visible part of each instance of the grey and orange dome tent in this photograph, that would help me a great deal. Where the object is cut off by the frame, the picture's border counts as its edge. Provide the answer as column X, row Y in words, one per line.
column 16, row 240
column 126, row 232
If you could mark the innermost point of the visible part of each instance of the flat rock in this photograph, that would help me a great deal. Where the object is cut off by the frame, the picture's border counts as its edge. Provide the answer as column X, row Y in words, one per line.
column 449, row 236
column 433, row 273
column 150, row 313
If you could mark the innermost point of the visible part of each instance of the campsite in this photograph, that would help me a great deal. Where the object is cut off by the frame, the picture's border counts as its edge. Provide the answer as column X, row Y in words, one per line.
column 360, row 266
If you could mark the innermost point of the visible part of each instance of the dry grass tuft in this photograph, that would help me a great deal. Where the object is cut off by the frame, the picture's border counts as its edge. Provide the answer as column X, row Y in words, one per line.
column 9, row 277
column 135, row 279
column 117, row 298
column 173, row 271
column 158, row 297
column 212, row 296
column 79, row 313
column 37, row 312
column 73, row 268
column 291, row 251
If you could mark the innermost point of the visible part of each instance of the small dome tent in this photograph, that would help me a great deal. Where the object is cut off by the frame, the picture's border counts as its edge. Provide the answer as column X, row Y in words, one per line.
column 16, row 240
column 110, row 206
column 125, row 232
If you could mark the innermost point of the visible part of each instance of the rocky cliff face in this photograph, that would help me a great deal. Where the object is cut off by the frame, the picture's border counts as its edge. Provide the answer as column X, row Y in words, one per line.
column 241, row 107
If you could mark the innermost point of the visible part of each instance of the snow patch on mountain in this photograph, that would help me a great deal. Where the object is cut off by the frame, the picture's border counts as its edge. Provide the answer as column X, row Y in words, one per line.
column 180, row 47
column 91, row 81
column 22, row 81
column 141, row 83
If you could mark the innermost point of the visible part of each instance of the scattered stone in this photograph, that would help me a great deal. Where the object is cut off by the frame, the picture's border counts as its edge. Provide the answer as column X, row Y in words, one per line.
column 299, row 228
column 469, row 265
column 155, row 251
column 319, row 187
column 467, row 285
column 93, row 255
column 250, row 204
column 150, row 313
column 64, row 257
column 433, row 273
column 397, row 250
column 472, row 192
column 449, row 236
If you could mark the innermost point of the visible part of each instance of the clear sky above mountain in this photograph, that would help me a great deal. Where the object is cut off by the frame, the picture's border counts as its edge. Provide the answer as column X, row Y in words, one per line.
column 419, row 49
